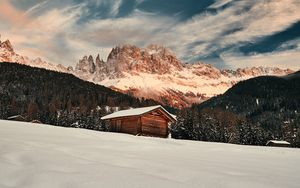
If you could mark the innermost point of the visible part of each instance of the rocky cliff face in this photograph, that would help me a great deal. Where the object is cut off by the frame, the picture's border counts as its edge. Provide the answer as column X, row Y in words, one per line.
column 152, row 72
column 86, row 65
column 6, row 51
column 155, row 72
column 153, row 60
column 7, row 54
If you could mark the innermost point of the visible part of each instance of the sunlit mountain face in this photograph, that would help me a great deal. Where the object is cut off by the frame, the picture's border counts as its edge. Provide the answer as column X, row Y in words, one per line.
column 225, row 33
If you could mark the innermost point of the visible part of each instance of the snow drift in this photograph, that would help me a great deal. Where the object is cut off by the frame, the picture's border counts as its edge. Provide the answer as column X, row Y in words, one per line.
column 34, row 155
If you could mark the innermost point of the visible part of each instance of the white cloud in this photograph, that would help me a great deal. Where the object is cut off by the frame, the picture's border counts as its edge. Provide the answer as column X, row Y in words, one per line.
column 219, row 3
column 286, row 59
column 294, row 44
column 264, row 18
column 35, row 7
column 138, row 29
column 56, row 35
column 115, row 7
column 37, row 36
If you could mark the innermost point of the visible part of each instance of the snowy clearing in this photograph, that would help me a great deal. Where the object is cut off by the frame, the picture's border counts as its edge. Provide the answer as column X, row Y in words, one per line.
column 36, row 156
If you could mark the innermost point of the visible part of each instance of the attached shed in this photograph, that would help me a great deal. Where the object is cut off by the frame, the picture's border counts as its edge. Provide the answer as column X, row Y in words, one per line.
column 17, row 118
column 278, row 143
column 152, row 121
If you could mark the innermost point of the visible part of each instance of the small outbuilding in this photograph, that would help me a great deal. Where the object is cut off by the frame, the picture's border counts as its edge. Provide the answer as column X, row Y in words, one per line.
column 278, row 143
column 36, row 121
column 152, row 121
column 17, row 118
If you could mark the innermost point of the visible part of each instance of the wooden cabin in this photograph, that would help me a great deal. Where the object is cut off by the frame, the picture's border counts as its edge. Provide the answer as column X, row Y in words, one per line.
column 278, row 143
column 36, row 121
column 151, row 121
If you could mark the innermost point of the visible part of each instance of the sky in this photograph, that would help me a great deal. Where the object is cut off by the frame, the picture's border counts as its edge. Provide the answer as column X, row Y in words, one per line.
column 224, row 33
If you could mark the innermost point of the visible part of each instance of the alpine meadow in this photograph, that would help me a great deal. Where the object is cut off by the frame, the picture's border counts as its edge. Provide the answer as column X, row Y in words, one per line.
column 149, row 93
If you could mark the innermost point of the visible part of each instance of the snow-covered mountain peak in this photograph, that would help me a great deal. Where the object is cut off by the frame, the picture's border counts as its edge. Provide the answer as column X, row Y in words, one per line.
column 86, row 64
column 153, row 60
column 152, row 72
column 7, row 45
column 7, row 54
column 158, row 49
column 155, row 72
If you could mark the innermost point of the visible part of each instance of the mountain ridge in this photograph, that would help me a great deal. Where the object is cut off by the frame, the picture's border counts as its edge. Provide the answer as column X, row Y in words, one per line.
column 151, row 72
column 155, row 72
column 7, row 54
column 253, row 112
column 58, row 98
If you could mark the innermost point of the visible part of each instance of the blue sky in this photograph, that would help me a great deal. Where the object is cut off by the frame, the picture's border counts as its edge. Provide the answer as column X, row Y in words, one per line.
column 225, row 33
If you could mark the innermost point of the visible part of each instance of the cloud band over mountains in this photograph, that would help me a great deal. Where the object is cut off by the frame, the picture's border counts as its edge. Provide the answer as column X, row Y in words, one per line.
column 226, row 33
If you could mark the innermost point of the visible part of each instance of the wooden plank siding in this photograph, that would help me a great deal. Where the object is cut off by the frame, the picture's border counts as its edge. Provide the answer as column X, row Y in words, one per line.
column 127, row 125
column 154, row 125
column 130, row 125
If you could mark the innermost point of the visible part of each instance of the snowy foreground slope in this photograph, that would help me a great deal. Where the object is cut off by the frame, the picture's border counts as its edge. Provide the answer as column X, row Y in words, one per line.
column 34, row 155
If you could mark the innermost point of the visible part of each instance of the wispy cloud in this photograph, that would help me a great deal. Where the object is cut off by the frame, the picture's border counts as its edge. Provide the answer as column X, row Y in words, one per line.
column 220, row 3
column 283, row 59
column 12, row 16
column 35, row 7
column 261, row 19
column 67, row 32
column 40, row 33
column 115, row 7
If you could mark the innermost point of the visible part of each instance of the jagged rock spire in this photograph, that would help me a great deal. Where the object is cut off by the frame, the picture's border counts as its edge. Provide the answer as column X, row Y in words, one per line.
column 99, row 61
column 86, row 64
column 7, row 45
column 153, row 59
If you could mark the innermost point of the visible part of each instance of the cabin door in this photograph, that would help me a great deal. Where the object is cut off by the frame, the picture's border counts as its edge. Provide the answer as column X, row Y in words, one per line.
column 118, row 126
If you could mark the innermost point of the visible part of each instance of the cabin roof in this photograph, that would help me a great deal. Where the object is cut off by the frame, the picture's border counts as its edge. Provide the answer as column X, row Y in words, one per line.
column 137, row 112
column 278, row 142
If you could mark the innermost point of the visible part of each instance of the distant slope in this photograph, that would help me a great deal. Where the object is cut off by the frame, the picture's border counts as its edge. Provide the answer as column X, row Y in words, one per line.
column 8, row 54
column 34, row 156
column 265, row 93
column 57, row 98
column 251, row 112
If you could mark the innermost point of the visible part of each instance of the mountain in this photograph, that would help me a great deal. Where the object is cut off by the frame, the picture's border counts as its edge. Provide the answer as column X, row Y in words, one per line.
column 7, row 54
column 251, row 112
column 257, row 95
column 153, row 72
column 58, row 98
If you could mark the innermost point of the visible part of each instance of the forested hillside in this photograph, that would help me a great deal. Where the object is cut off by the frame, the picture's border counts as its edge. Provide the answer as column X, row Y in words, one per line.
column 58, row 98
column 252, row 112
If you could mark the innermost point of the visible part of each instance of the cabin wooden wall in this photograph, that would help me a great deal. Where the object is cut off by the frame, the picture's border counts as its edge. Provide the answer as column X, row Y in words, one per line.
column 278, row 145
column 128, row 125
column 155, row 125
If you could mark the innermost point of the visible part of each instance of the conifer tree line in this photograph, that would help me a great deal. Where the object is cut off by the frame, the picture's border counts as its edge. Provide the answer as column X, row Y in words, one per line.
column 58, row 98
column 217, row 125
column 252, row 112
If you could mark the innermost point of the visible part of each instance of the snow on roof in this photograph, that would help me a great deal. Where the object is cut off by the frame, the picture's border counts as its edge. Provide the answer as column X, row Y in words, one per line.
column 136, row 112
column 278, row 142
